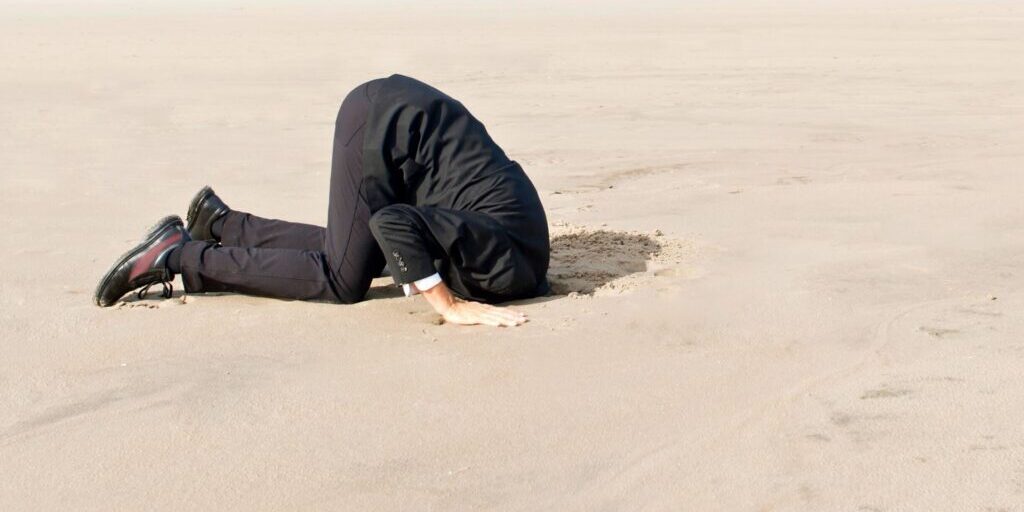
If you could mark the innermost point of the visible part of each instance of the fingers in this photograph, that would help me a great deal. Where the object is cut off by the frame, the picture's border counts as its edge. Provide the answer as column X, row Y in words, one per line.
column 505, row 312
column 511, row 320
column 502, row 321
column 507, row 316
column 468, row 313
column 493, row 322
column 489, row 318
column 496, row 317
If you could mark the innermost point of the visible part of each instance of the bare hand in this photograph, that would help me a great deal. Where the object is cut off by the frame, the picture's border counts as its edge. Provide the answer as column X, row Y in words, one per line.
column 465, row 312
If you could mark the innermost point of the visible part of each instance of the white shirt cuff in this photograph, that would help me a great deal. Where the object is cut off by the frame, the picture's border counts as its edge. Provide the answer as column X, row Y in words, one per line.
column 421, row 285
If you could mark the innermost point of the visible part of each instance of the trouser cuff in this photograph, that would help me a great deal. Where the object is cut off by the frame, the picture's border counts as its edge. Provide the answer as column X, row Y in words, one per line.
column 191, row 259
column 229, row 234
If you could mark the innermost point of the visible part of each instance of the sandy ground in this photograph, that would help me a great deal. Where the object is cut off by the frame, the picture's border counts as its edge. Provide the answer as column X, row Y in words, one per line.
column 788, row 243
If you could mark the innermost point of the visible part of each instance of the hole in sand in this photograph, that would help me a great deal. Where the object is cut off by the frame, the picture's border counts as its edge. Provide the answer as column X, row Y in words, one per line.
column 587, row 261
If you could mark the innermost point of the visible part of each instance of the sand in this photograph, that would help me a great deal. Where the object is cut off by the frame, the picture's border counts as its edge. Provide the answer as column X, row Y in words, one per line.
column 788, row 244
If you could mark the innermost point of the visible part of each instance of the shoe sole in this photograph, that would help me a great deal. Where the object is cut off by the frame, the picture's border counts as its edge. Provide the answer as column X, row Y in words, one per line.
column 150, row 237
column 193, row 207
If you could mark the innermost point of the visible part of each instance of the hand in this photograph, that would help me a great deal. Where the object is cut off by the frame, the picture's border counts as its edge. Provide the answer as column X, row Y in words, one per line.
column 464, row 312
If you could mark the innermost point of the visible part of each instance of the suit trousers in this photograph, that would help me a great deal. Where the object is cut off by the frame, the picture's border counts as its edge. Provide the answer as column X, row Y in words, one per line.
column 275, row 258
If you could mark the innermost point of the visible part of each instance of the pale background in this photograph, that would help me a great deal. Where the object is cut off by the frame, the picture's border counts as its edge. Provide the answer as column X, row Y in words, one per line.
column 836, row 327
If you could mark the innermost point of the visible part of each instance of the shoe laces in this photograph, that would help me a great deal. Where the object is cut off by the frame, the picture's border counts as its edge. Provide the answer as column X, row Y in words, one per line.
column 165, row 281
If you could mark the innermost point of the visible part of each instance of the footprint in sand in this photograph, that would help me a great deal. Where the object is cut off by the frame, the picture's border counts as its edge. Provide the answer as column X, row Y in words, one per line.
column 793, row 180
column 885, row 392
column 130, row 302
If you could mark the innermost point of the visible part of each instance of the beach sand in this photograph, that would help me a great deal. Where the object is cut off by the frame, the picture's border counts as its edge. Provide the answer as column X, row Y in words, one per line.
column 788, row 247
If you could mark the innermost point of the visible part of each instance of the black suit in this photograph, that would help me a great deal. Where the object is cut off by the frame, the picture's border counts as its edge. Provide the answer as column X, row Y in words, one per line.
column 414, row 174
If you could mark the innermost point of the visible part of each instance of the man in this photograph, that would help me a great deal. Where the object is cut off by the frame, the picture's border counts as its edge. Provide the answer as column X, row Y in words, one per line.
column 416, row 184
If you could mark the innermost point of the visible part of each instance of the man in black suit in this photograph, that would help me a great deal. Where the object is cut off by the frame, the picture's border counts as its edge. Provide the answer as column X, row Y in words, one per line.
column 416, row 183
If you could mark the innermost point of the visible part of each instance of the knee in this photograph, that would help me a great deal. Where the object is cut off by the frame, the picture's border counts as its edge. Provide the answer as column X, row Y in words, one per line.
column 357, row 101
column 348, row 298
column 345, row 293
column 345, row 104
column 348, row 284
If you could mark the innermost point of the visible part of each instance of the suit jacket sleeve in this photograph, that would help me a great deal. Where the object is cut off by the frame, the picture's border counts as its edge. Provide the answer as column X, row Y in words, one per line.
column 407, row 243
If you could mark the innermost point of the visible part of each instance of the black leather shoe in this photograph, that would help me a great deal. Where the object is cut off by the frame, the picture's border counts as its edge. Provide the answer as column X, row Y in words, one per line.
column 144, row 265
column 205, row 208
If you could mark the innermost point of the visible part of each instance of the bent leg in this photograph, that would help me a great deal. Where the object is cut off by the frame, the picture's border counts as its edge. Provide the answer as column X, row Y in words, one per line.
column 353, row 256
column 336, row 264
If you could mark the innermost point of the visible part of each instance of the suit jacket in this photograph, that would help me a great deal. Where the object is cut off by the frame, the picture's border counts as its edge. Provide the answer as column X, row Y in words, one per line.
column 445, row 198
